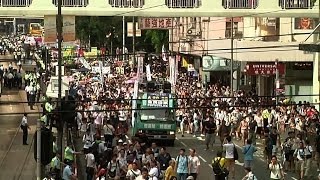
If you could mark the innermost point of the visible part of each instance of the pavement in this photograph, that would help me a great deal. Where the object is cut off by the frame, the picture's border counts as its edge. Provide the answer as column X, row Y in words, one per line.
column 16, row 160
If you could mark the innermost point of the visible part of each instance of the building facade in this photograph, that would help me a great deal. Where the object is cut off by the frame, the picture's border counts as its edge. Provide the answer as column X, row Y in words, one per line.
column 258, row 43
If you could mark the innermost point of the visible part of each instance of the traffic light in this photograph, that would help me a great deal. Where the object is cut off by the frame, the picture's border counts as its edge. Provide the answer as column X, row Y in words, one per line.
column 46, row 146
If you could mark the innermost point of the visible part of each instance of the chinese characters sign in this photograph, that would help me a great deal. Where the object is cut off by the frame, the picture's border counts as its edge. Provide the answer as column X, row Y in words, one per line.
column 158, row 100
column 157, row 126
column 156, row 23
column 264, row 68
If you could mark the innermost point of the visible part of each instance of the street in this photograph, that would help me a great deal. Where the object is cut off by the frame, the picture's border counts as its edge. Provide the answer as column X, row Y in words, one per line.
column 206, row 173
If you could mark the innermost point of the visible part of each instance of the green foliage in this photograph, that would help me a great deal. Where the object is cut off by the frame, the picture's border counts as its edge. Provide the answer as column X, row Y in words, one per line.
column 158, row 38
column 96, row 28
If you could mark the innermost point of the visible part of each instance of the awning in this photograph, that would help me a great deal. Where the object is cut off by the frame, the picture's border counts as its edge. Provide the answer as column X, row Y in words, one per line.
column 259, row 51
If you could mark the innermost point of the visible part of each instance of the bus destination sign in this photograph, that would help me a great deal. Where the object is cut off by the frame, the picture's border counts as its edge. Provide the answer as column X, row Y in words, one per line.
column 158, row 100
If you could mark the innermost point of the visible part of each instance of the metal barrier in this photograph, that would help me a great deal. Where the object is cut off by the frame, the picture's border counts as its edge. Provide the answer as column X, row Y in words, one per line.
column 183, row 3
column 240, row 4
column 296, row 4
column 127, row 3
column 15, row 3
column 72, row 3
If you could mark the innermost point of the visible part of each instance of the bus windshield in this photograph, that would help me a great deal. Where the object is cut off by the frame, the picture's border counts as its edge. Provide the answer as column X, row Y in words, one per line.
column 156, row 114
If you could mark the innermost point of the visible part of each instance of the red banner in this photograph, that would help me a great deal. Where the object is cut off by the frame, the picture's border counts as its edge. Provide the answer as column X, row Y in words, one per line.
column 264, row 69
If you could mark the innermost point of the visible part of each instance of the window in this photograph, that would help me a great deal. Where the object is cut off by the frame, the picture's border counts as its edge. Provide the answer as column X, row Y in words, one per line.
column 296, row 4
column 156, row 114
column 240, row 4
column 72, row 3
column 305, row 23
column 16, row 3
column 183, row 3
column 236, row 32
column 127, row 3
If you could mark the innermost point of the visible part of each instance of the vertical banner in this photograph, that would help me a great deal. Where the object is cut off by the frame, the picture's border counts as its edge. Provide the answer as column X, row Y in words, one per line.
column 140, row 69
column 148, row 72
column 69, row 28
column 176, row 72
column 134, row 101
column 50, row 35
column 171, row 69
column 100, row 72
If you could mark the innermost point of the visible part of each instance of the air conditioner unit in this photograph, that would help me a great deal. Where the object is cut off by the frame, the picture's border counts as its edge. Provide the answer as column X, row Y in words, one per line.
column 191, row 32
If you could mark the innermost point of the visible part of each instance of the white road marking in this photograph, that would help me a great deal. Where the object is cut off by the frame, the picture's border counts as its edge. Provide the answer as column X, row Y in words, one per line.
column 202, row 159
column 200, row 138
column 239, row 163
column 210, row 166
column 294, row 178
column 177, row 138
column 183, row 144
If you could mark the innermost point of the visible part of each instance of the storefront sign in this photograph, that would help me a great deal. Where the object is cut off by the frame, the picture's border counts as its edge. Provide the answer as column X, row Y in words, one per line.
column 156, row 23
column 264, row 69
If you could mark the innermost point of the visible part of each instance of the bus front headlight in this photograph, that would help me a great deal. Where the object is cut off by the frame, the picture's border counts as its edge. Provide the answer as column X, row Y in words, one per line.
column 171, row 132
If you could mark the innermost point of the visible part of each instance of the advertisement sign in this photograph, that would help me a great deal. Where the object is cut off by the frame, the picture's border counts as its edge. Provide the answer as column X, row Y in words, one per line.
column 264, row 68
column 69, row 28
column 50, row 35
column 172, row 67
column 212, row 63
column 130, row 30
column 156, row 23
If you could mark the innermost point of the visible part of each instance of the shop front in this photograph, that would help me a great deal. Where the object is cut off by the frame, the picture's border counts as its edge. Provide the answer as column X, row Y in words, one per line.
column 261, row 77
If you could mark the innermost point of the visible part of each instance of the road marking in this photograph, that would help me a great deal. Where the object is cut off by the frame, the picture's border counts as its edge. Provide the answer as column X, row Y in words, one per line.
column 239, row 163
column 210, row 166
column 202, row 158
column 183, row 144
column 200, row 138
column 177, row 138
column 294, row 178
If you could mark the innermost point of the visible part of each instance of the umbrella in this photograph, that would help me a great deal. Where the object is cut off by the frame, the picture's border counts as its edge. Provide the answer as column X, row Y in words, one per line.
column 83, row 70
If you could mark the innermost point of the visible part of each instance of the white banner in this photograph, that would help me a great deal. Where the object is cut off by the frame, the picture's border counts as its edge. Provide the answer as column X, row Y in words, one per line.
column 85, row 63
column 106, row 70
column 134, row 101
column 148, row 72
column 140, row 69
column 172, row 69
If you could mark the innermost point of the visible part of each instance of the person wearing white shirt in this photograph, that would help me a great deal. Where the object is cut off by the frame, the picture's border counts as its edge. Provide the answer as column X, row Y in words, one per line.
column 230, row 162
column 144, row 174
column 24, row 126
column 90, row 164
column 133, row 173
column 154, row 171
column 299, row 153
column 194, row 164
column 276, row 170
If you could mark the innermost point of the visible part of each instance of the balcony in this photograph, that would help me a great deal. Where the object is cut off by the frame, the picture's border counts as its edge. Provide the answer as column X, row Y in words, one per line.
column 240, row 4
column 296, row 4
column 15, row 3
column 72, row 3
column 127, row 3
column 183, row 3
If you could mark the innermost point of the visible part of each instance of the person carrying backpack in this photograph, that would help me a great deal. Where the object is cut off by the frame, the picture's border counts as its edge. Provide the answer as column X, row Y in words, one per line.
column 218, row 167
column 249, row 175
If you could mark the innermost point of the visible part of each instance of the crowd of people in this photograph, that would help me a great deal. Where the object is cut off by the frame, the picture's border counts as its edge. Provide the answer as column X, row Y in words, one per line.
column 214, row 111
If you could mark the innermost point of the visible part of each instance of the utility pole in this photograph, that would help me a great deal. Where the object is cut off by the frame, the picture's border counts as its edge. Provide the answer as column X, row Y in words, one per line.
column 38, row 149
column 59, row 32
column 134, row 40
column 123, row 37
column 231, row 59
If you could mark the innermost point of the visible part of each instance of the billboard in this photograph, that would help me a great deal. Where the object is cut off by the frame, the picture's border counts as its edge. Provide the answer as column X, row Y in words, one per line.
column 130, row 30
column 69, row 28
column 50, row 30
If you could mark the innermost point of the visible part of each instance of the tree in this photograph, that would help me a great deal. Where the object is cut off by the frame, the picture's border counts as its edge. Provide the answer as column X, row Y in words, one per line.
column 158, row 38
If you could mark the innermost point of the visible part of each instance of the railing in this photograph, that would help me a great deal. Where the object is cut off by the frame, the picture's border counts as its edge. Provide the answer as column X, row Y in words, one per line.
column 72, row 3
column 240, row 4
column 127, row 3
column 15, row 3
column 183, row 3
column 296, row 4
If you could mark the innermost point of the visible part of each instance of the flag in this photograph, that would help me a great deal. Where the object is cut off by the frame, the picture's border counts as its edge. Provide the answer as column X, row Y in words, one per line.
column 164, row 54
